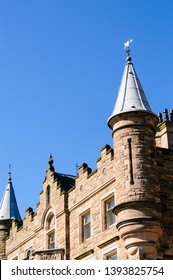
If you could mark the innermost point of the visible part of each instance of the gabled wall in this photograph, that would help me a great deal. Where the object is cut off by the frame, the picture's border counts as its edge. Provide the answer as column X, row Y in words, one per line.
column 32, row 234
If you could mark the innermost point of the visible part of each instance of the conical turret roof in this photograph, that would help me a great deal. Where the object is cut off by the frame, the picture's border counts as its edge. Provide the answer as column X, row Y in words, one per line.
column 131, row 96
column 8, row 208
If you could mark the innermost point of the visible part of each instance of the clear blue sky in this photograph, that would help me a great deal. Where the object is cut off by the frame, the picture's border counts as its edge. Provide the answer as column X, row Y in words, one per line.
column 61, row 63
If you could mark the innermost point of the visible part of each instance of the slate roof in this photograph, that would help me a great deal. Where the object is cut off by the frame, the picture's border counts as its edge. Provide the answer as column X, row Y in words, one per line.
column 67, row 181
column 8, row 208
column 131, row 96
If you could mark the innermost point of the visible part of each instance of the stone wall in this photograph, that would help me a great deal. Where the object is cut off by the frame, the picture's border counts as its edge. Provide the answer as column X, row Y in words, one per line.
column 91, row 190
column 4, row 233
column 165, row 166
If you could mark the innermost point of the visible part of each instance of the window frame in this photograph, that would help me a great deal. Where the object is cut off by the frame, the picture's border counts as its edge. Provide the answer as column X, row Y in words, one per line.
column 49, row 229
column 49, row 235
column 109, row 216
column 85, row 226
column 108, row 255
column 28, row 253
column 103, row 201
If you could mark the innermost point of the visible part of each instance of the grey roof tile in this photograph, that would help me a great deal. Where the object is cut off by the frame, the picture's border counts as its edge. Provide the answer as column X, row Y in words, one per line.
column 8, row 208
column 131, row 96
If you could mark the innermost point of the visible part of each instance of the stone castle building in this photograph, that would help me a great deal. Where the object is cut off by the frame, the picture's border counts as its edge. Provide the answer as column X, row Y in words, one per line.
column 121, row 210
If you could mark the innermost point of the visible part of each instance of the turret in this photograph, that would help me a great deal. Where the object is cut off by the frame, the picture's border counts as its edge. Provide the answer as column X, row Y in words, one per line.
column 138, row 207
column 8, row 212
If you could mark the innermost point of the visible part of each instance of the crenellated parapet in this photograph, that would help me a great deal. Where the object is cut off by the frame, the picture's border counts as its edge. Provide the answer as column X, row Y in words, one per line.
column 106, row 153
column 106, row 156
column 84, row 170
column 166, row 116
column 164, row 130
column 21, row 231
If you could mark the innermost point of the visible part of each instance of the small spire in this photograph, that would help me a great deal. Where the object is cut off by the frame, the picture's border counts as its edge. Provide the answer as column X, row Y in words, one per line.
column 50, row 163
column 131, row 96
column 9, row 173
column 77, row 167
column 50, row 160
column 9, row 208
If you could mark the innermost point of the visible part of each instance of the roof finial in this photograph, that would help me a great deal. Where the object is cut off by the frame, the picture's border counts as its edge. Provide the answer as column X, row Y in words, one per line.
column 77, row 167
column 9, row 173
column 128, row 51
column 50, row 160
column 50, row 163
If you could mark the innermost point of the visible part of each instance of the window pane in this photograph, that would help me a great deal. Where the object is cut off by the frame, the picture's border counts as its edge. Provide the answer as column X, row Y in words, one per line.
column 112, row 257
column 87, row 231
column 86, row 219
column 110, row 204
column 51, row 240
column 110, row 216
column 86, row 226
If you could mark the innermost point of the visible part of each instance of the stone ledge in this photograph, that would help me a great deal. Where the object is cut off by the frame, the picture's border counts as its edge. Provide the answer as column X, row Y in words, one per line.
column 85, row 254
column 102, row 245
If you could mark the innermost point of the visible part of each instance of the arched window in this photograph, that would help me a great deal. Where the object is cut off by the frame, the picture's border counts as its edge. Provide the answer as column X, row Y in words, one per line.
column 50, row 229
column 48, row 194
column 50, row 224
column 28, row 253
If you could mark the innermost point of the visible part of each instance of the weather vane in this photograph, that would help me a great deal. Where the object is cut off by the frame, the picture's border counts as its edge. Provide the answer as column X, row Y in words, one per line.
column 127, row 44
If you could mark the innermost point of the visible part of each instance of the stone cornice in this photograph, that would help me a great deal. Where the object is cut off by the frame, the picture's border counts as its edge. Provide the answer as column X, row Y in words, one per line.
column 85, row 254
column 114, row 239
column 135, row 204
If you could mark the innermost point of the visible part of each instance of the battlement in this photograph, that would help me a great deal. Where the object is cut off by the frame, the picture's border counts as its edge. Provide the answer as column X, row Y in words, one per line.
column 106, row 154
column 165, row 116
column 164, row 130
column 83, row 168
